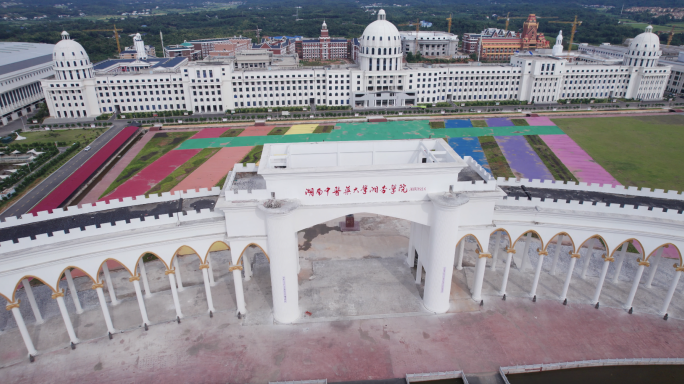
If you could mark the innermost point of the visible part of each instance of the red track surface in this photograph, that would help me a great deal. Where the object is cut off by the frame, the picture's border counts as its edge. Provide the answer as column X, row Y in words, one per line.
column 208, row 133
column 257, row 131
column 152, row 174
column 209, row 173
column 73, row 182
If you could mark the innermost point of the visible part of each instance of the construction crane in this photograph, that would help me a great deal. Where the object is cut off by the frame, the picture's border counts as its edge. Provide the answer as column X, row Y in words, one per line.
column 258, row 31
column 574, row 28
column 449, row 19
column 669, row 38
column 520, row 17
column 116, row 34
column 417, row 30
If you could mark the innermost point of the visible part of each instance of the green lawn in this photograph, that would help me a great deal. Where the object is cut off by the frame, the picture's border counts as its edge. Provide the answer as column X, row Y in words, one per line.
column 552, row 162
column 278, row 131
column 234, row 132
column 183, row 171
column 436, row 124
column 497, row 161
column 520, row 122
column 253, row 156
column 66, row 135
column 642, row 151
column 160, row 144
column 324, row 129
column 478, row 123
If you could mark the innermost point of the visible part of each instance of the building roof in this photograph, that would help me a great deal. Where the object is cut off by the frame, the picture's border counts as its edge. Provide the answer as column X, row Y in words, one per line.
column 155, row 62
column 17, row 56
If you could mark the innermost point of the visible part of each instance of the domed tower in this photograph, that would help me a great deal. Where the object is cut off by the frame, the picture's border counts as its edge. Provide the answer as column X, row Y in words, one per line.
column 644, row 50
column 139, row 47
column 71, row 62
column 380, row 46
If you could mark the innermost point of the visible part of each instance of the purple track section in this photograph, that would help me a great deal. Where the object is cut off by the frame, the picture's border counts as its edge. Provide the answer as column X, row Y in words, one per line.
column 539, row 121
column 578, row 162
column 524, row 161
column 499, row 122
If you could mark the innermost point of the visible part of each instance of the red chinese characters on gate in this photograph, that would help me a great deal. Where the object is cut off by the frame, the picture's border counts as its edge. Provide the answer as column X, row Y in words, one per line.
column 338, row 191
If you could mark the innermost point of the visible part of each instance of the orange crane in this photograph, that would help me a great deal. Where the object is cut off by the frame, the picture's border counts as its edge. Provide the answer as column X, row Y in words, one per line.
column 574, row 28
column 258, row 31
column 449, row 19
column 669, row 38
column 116, row 34
column 520, row 17
column 417, row 30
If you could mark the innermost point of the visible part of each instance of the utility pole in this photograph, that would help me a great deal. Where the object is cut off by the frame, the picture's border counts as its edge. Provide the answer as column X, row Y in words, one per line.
column 162, row 43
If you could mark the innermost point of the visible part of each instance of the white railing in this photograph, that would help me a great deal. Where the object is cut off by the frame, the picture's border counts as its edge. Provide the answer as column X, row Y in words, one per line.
column 107, row 205
column 593, row 187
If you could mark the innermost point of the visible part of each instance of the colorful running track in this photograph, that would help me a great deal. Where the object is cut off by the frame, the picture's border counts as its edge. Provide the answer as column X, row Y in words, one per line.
column 523, row 160
column 213, row 170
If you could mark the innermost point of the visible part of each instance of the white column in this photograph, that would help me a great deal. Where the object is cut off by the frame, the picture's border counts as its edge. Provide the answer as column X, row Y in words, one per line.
column 141, row 302
column 556, row 254
column 671, row 291
column 635, row 284
column 590, row 251
column 568, row 277
column 479, row 275
column 247, row 263
column 528, row 240
column 239, row 290
column 495, row 255
column 654, row 267
column 211, row 271
column 143, row 275
column 507, row 269
column 32, row 301
column 604, row 271
column 103, row 304
column 282, row 249
column 207, row 287
column 177, row 277
column 621, row 260
column 461, row 251
column 59, row 296
column 74, row 293
column 171, row 274
column 441, row 244
column 537, row 272
column 110, row 285
column 411, row 255
column 14, row 307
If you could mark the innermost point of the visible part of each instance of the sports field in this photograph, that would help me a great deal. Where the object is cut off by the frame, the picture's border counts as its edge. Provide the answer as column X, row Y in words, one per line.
column 644, row 151
column 65, row 135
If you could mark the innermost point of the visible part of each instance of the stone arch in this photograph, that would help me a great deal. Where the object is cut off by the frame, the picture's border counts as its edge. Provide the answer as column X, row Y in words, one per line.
column 476, row 239
column 185, row 250
column 111, row 258
column 525, row 233
column 574, row 248
column 14, row 291
column 597, row 236
column 612, row 254
column 151, row 253
column 215, row 247
column 662, row 245
column 510, row 239
column 239, row 260
column 71, row 266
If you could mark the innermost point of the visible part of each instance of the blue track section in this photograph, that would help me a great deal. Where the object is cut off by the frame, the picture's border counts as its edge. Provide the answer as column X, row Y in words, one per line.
column 457, row 124
column 469, row 146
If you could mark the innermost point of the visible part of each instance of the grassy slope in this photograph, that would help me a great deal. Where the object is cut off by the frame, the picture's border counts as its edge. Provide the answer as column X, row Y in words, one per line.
column 497, row 161
column 640, row 151
column 183, row 171
column 233, row 132
column 67, row 135
column 159, row 145
column 253, row 155
column 478, row 123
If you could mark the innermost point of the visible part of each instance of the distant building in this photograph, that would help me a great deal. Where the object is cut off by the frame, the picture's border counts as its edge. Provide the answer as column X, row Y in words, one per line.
column 495, row 44
column 22, row 67
column 131, row 53
column 206, row 46
column 430, row 43
column 325, row 48
column 675, row 84
column 281, row 45
column 185, row 49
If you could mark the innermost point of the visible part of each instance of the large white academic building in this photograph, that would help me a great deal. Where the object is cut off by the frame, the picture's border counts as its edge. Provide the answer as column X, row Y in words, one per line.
column 380, row 78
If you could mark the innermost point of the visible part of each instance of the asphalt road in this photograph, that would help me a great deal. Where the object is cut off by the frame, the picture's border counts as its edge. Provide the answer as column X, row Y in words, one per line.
column 34, row 196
